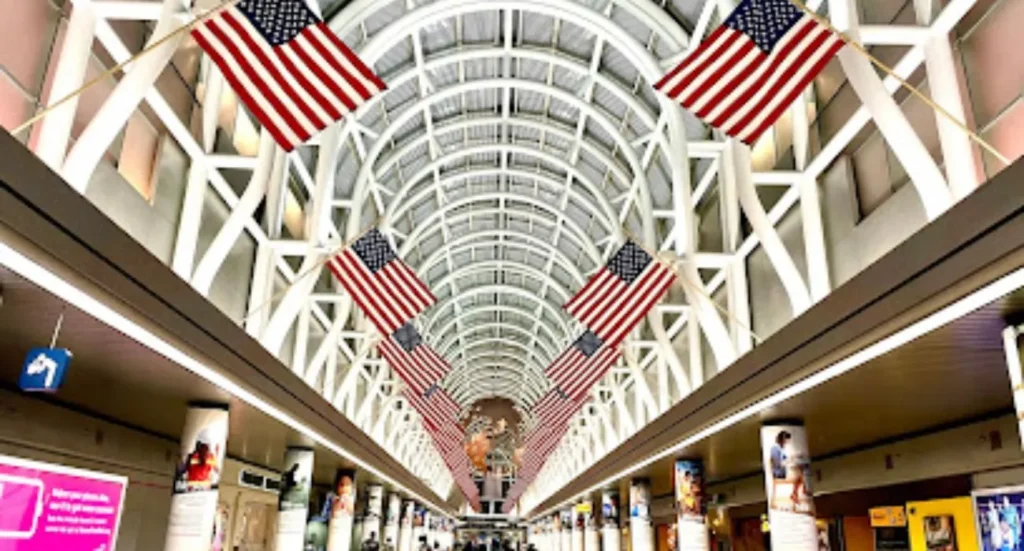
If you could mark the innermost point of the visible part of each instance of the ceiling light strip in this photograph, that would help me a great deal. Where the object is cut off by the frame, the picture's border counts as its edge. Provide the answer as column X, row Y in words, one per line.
column 56, row 285
column 989, row 293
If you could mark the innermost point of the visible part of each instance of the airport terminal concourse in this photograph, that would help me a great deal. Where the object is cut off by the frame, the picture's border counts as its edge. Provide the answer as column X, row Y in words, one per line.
column 511, row 275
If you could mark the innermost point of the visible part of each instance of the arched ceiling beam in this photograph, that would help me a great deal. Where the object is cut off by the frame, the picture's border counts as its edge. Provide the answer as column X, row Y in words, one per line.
column 469, row 313
column 425, row 226
column 363, row 178
column 500, row 326
column 524, row 120
column 557, row 316
column 648, row 13
column 501, row 238
column 398, row 205
column 508, row 266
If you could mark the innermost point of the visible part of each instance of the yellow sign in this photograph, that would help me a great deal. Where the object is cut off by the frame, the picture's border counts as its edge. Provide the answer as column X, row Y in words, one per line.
column 583, row 507
column 882, row 517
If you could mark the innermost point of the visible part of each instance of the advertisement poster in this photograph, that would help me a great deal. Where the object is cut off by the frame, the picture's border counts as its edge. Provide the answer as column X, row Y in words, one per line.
column 940, row 533
column 197, row 479
column 394, row 510
column 339, row 530
column 610, row 508
column 998, row 515
column 45, row 506
column 374, row 512
column 293, row 501
column 787, row 466
column 641, row 528
column 692, row 531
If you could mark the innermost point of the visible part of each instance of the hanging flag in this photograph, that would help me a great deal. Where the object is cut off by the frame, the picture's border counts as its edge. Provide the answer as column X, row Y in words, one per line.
column 415, row 362
column 384, row 287
column 615, row 299
column 289, row 68
column 435, row 406
column 554, row 409
column 576, row 370
column 752, row 68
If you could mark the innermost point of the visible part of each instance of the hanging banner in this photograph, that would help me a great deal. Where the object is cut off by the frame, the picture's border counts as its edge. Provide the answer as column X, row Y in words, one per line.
column 394, row 511
column 339, row 530
column 45, row 506
column 197, row 478
column 787, row 473
column 692, row 530
column 293, row 501
column 641, row 529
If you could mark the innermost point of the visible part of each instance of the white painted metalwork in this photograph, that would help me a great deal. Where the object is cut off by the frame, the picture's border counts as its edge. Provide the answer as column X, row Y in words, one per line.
column 518, row 145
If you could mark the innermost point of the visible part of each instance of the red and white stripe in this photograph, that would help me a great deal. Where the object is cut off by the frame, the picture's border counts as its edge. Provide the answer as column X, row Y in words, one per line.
column 420, row 369
column 295, row 89
column 733, row 85
column 554, row 411
column 437, row 410
column 390, row 297
column 611, row 308
column 575, row 373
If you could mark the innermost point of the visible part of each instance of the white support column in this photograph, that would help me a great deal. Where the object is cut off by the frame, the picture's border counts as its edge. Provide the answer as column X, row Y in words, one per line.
column 189, row 222
column 1012, row 349
column 791, row 278
column 904, row 142
column 69, row 75
column 944, row 88
column 125, row 99
column 233, row 227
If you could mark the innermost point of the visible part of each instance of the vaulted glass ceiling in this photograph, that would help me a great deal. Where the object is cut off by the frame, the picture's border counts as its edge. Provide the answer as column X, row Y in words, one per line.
column 519, row 143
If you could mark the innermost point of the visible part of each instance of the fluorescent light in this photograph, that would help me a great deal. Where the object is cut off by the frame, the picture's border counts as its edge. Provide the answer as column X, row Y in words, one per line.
column 958, row 309
column 56, row 285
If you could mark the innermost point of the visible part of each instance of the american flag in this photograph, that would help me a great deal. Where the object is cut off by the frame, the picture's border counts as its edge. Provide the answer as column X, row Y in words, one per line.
column 576, row 370
column 614, row 301
column 292, row 72
column 554, row 409
column 383, row 286
column 751, row 69
column 435, row 406
column 415, row 362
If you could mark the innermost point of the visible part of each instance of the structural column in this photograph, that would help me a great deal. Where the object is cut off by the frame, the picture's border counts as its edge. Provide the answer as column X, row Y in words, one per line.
column 787, row 466
column 374, row 512
column 611, row 535
column 293, row 501
column 339, row 532
column 565, row 533
column 405, row 533
column 641, row 528
column 197, row 477
column 591, row 535
column 391, row 521
column 578, row 523
column 1011, row 344
column 692, row 530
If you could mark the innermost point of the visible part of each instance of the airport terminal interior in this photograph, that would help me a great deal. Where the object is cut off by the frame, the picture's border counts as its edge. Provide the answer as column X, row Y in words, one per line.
column 511, row 275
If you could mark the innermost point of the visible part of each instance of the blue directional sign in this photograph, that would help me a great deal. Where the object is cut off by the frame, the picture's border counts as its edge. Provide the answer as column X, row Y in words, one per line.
column 44, row 369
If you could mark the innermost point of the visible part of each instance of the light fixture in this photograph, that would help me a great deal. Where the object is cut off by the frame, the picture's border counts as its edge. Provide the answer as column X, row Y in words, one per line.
column 92, row 306
column 989, row 293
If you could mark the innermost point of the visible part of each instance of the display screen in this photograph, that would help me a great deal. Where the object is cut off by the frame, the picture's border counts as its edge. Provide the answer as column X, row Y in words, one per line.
column 45, row 506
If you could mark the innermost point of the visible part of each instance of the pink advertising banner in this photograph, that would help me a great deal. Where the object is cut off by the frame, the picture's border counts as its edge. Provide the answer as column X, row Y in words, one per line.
column 45, row 506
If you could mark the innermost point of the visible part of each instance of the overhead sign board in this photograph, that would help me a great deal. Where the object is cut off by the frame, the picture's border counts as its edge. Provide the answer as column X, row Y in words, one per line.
column 886, row 517
column 44, row 369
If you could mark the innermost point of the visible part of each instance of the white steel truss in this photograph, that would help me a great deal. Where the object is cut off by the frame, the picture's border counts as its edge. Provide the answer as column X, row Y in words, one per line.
column 519, row 143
